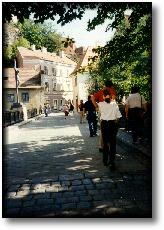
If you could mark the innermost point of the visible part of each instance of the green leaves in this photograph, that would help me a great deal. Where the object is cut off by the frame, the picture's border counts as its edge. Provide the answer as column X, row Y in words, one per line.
column 41, row 35
column 9, row 53
column 126, row 59
column 68, row 41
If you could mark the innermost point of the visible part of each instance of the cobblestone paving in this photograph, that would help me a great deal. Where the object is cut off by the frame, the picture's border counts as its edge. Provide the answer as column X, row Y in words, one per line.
column 52, row 168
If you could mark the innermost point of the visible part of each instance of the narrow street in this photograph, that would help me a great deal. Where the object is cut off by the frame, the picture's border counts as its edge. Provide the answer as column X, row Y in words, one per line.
column 52, row 168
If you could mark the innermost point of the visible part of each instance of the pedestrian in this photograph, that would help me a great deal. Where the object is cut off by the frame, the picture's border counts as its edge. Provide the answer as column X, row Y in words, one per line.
column 66, row 110
column 49, row 108
column 135, row 107
column 98, row 97
column 110, row 115
column 71, row 107
column 40, row 110
column 45, row 111
column 91, row 116
column 81, row 107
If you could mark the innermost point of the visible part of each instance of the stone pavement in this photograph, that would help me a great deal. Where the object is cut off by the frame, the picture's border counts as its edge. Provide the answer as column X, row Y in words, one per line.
column 52, row 168
column 144, row 147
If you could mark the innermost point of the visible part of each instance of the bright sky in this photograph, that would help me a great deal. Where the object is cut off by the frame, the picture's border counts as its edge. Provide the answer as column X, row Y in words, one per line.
column 77, row 30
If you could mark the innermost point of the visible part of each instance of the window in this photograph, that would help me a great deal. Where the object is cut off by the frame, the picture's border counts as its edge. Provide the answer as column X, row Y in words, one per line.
column 54, row 87
column 11, row 97
column 61, row 73
column 46, row 86
column 54, row 71
column 55, row 104
column 61, row 87
column 45, row 70
column 25, row 97
column 57, row 72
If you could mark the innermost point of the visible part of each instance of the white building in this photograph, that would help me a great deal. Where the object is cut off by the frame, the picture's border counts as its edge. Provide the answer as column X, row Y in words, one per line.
column 55, row 73
column 80, row 79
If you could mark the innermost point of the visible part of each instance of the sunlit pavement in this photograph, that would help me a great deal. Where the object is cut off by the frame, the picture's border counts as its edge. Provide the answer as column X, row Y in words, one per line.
column 52, row 168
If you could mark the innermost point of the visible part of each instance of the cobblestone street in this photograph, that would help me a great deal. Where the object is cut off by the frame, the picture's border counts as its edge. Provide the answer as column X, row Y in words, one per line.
column 52, row 168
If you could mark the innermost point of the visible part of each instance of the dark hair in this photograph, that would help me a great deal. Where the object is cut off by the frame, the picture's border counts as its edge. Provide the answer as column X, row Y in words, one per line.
column 89, row 97
column 106, row 93
column 108, row 83
column 135, row 89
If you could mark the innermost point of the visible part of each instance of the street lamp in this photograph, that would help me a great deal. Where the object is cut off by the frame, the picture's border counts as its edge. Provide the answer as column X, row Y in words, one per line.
column 16, row 79
column 17, row 106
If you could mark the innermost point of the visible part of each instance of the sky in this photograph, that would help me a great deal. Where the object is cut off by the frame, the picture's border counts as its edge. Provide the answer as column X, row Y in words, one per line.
column 77, row 29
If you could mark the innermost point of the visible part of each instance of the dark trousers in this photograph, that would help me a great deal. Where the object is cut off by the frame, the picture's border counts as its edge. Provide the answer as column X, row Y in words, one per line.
column 92, row 122
column 136, row 123
column 109, row 131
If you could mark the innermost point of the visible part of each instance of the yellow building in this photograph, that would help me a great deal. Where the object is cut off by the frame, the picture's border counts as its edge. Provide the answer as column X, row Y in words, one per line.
column 30, row 92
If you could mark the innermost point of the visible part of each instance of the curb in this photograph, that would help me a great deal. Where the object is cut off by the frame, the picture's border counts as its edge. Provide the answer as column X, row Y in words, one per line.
column 29, row 120
column 22, row 123
column 125, row 138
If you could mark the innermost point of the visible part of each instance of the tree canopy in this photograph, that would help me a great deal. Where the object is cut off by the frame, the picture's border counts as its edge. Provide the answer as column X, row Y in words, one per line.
column 70, row 11
column 126, row 59
column 42, row 35
column 28, row 33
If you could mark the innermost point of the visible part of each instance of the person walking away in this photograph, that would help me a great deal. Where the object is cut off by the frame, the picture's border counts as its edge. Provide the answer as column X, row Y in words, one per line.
column 66, row 110
column 49, row 109
column 40, row 110
column 98, row 97
column 71, row 109
column 81, row 107
column 135, row 107
column 90, row 109
column 110, row 115
column 46, row 111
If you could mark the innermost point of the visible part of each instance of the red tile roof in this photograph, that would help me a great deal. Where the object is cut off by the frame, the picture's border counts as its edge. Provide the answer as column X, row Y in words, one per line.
column 38, row 54
column 29, row 78
column 84, row 59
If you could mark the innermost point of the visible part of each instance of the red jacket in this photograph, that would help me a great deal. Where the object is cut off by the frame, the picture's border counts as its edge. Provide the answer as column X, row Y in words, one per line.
column 99, row 95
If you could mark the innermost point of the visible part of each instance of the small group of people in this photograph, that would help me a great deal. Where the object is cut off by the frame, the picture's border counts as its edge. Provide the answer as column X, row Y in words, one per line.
column 68, row 108
column 104, row 103
column 47, row 110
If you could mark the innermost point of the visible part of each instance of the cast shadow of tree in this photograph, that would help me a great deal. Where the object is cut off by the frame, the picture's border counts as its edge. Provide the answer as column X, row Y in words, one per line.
column 28, row 166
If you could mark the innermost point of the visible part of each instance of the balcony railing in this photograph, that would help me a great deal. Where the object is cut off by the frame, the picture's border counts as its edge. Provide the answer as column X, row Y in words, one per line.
column 12, row 117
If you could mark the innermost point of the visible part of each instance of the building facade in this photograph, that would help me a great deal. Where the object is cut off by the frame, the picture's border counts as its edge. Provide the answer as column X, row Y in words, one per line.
column 55, row 74
column 30, row 91
column 80, row 79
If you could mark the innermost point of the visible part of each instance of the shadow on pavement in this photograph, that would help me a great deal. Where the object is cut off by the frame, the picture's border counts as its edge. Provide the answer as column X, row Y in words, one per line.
column 63, row 176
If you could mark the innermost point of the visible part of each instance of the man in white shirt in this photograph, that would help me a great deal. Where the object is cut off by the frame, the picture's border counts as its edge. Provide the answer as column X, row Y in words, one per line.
column 109, row 115
column 133, row 105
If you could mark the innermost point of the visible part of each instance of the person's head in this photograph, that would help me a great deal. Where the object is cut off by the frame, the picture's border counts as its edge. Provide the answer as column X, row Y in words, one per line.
column 108, row 83
column 81, row 101
column 106, row 96
column 135, row 89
